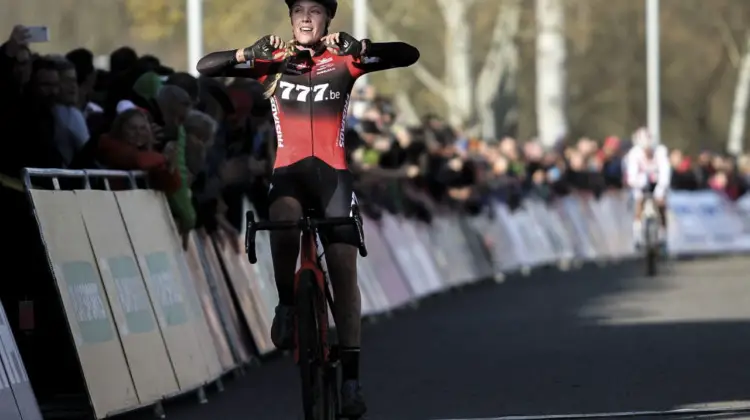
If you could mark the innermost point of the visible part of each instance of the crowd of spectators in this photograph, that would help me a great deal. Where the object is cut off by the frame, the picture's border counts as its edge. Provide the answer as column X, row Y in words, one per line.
column 207, row 143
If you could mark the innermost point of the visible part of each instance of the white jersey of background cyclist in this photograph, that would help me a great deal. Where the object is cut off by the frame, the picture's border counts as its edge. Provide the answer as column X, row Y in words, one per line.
column 642, row 169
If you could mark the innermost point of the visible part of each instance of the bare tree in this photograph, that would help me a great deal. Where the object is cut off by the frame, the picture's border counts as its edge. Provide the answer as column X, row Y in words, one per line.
column 550, row 71
column 739, row 109
column 470, row 96
column 498, row 79
column 457, row 51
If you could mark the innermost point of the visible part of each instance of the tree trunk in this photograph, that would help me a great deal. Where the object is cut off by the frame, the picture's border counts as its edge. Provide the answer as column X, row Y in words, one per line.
column 550, row 71
column 458, row 73
column 739, row 110
column 496, row 101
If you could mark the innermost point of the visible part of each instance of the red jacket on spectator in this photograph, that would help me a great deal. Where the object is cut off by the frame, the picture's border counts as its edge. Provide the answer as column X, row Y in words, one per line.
column 117, row 154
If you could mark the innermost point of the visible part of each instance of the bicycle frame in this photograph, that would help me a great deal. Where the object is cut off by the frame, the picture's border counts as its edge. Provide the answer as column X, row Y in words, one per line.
column 651, row 223
column 310, row 263
column 309, row 260
column 308, row 252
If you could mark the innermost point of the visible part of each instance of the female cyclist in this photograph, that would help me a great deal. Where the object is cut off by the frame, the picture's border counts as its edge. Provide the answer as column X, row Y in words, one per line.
column 308, row 81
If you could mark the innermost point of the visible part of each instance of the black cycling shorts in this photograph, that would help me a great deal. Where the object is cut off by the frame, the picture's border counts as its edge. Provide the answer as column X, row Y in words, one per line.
column 322, row 191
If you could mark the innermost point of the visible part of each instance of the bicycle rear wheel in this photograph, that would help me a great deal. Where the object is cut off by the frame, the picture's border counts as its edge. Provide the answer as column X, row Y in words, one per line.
column 311, row 351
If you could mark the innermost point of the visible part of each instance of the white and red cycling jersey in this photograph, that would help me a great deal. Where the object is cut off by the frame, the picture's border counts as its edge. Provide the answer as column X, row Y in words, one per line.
column 643, row 169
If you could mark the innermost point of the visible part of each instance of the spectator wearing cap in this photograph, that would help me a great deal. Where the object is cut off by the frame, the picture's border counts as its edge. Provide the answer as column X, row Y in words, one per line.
column 172, row 105
column 168, row 105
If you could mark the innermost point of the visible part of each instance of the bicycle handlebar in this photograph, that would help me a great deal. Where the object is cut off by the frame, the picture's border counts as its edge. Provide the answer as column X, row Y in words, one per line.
column 305, row 224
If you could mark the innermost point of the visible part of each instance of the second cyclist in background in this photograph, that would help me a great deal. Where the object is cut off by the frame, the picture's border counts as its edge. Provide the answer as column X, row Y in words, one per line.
column 647, row 167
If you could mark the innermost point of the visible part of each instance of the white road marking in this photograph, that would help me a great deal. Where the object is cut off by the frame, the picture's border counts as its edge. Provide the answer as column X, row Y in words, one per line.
column 625, row 414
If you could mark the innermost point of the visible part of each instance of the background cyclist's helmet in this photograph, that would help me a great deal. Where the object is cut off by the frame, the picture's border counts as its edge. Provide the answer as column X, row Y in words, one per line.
column 330, row 5
column 643, row 138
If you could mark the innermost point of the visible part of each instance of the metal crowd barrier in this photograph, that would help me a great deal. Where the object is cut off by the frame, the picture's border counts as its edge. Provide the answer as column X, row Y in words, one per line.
column 148, row 320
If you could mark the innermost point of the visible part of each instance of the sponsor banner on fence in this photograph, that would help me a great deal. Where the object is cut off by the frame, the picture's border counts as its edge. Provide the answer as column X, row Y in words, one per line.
column 254, row 304
column 152, row 235
column 480, row 258
column 433, row 279
column 8, row 408
column 704, row 222
column 742, row 209
column 450, row 250
column 401, row 249
column 217, row 328
column 85, row 302
column 222, row 297
column 395, row 287
column 17, row 400
column 133, row 314
column 571, row 208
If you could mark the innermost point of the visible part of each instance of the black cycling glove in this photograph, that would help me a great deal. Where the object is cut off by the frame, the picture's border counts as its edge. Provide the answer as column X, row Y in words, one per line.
column 262, row 49
column 349, row 45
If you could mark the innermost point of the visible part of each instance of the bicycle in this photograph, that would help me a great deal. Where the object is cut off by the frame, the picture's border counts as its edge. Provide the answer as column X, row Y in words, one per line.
column 316, row 350
column 651, row 224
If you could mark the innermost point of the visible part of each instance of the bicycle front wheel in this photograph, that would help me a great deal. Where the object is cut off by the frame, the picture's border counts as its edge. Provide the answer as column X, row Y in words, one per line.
column 310, row 346
column 652, row 246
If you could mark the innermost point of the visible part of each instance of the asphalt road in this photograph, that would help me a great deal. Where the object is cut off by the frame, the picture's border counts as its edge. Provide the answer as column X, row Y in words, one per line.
column 586, row 341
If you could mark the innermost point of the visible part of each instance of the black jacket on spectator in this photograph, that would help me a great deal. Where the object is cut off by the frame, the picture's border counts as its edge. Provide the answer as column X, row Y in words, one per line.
column 28, row 126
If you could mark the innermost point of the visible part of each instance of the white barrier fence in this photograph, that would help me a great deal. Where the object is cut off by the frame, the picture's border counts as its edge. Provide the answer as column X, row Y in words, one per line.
column 705, row 222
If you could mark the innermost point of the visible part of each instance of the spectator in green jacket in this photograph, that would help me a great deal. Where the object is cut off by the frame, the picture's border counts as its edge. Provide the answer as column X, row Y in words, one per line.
column 173, row 105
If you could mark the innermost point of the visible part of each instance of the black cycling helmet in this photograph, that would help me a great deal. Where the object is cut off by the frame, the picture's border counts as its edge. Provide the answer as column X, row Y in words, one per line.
column 330, row 5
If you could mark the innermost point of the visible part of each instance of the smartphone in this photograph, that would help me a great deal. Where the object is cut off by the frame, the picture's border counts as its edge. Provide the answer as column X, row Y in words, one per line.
column 38, row 33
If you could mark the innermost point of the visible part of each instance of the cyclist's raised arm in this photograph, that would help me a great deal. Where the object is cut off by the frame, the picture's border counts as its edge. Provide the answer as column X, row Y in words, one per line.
column 379, row 56
column 255, row 62
column 225, row 64
column 366, row 56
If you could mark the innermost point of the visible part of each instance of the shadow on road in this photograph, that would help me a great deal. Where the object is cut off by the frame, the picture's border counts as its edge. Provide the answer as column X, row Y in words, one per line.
column 532, row 346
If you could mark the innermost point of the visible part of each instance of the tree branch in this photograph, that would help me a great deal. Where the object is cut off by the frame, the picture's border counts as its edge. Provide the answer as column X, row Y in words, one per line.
column 495, row 66
column 381, row 31
column 730, row 44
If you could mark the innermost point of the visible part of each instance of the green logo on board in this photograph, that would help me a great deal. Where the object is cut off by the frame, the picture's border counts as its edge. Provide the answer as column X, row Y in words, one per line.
column 132, row 295
column 89, row 305
column 167, row 290
column 187, row 281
